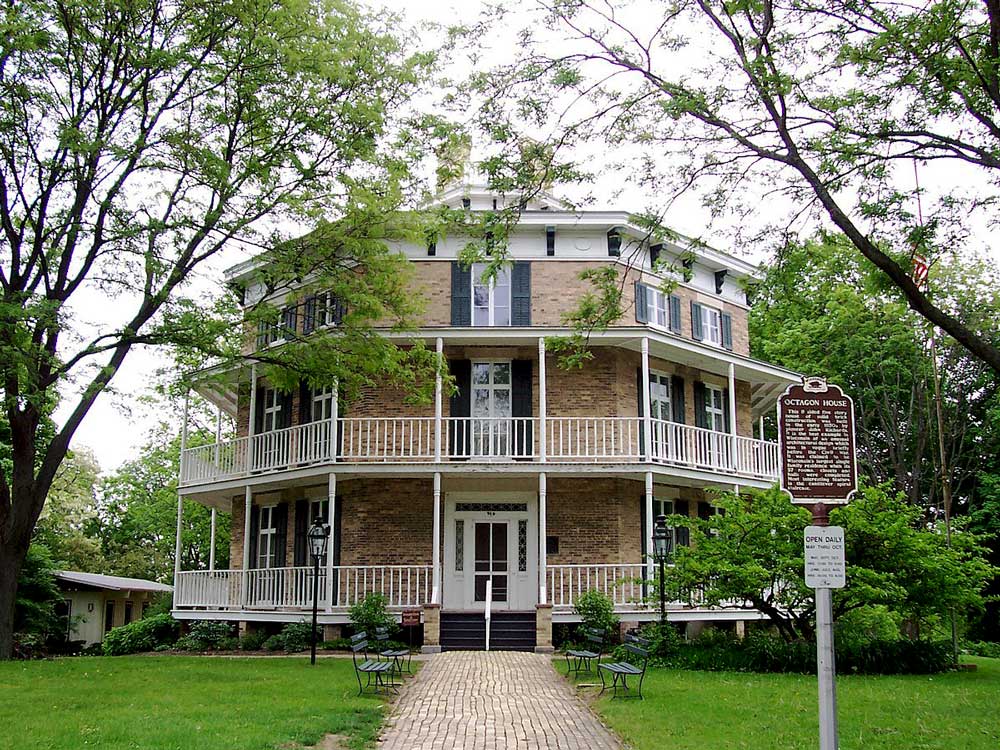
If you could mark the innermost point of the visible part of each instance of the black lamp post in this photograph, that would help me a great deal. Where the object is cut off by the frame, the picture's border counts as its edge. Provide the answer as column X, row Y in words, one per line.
column 663, row 544
column 317, row 536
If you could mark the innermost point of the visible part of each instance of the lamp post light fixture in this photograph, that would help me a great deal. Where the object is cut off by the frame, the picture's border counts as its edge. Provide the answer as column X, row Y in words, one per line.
column 317, row 535
column 663, row 547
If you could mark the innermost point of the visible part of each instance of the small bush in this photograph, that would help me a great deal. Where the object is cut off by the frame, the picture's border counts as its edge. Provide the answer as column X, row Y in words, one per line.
column 274, row 643
column 210, row 633
column 232, row 643
column 372, row 613
column 253, row 640
column 596, row 610
column 338, row 644
column 295, row 636
column 982, row 648
column 189, row 643
column 141, row 635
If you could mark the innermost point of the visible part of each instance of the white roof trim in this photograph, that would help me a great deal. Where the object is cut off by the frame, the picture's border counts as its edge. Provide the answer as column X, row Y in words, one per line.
column 110, row 583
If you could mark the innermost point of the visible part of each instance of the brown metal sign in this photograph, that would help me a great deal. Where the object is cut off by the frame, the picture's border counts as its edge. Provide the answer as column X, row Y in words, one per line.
column 410, row 618
column 816, row 439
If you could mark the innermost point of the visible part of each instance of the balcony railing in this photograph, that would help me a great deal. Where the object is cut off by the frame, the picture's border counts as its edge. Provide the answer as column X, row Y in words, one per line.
column 292, row 588
column 415, row 440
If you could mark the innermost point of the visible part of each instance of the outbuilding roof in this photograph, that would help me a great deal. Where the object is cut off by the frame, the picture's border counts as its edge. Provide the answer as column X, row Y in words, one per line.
column 111, row 583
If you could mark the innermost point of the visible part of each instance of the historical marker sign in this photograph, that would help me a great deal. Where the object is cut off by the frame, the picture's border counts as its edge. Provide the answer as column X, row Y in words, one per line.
column 410, row 618
column 816, row 438
column 825, row 565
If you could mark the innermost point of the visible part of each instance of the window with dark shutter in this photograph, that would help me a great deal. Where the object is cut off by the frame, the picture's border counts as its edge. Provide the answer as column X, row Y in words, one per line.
column 301, row 528
column 520, row 294
column 675, row 313
column 461, row 295
column 460, row 406
column 280, row 534
column 727, row 331
column 700, row 407
column 641, row 303
column 683, row 533
column 697, row 333
column 520, row 406
column 677, row 398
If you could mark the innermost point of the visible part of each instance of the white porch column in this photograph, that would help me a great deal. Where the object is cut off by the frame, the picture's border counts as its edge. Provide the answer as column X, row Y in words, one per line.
column 733, row 443
column 180, row 498
column 247, row 504
column 436, row 551
column 251, row 420
column 760, row 428
column 211, row 543
column 542, row 410
column 218, row 438
column 439, row 347
column 331, row 521
column 542, row 552
column 334, row 416
column 647, row 413
column 647, row 543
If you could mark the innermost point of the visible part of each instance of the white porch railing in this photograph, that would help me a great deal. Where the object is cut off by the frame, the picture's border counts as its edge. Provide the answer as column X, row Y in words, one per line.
column 621, row 582
column 291, row 588
column 413, row 439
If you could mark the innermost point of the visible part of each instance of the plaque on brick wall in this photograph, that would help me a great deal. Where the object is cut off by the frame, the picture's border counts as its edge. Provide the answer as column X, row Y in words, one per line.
column 816, row 443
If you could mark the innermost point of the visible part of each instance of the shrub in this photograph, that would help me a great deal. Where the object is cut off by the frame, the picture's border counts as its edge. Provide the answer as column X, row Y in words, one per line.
column 253, row 640
column 295, row 636
column 141, row 635
column 372, row 613
column 188, row 643
column 596, row 610
column 232, row 643
column 210, row 633
column 274, row 643
column 982, row 648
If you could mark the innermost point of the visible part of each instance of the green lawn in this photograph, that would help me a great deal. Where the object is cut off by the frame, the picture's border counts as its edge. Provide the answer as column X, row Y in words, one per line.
column 180, row 702
column 717, row 710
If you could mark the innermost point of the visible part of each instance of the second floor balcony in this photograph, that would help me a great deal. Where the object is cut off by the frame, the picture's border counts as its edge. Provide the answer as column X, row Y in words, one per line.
column 430, row 440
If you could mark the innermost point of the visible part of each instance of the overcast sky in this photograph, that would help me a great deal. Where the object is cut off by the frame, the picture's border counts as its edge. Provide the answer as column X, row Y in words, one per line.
column 119, row 422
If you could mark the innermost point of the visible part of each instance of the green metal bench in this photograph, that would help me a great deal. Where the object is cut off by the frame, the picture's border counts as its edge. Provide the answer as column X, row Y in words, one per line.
column 622, row 670
column 400, row 658
column 375, row 670
column 579, row 660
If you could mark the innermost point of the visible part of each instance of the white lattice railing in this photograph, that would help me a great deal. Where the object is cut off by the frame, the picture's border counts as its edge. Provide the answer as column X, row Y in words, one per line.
column 292, row 588
column 413, row 439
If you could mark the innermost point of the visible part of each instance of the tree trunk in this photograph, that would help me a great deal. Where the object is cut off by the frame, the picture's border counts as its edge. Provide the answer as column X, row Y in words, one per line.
column 11, row 560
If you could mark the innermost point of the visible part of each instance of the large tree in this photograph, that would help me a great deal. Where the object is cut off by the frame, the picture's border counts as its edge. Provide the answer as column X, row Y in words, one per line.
column 819, row 109
column 138, row 139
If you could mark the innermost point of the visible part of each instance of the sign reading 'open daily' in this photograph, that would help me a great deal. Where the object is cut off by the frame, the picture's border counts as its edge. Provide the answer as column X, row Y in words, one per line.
column 816, row 435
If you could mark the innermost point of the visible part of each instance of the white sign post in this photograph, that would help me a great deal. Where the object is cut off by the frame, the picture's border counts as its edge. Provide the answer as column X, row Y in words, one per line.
column 818, row 468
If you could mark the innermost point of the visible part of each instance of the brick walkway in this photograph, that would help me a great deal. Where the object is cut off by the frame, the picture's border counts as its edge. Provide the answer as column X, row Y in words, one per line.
column 492, row 701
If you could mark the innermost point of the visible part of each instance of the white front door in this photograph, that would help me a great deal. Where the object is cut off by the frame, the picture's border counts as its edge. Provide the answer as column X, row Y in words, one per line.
column 490, row 536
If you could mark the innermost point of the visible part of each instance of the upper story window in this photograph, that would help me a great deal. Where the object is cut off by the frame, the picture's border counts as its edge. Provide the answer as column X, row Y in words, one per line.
column 656, row 308
column 715, row 409
column 322, row 401
column 490, row 299
column 282, row 330
column 711, row 325
column 320, row 310
column 659, row 396
column 272, row 417
column 504, row 301
column 267, row 538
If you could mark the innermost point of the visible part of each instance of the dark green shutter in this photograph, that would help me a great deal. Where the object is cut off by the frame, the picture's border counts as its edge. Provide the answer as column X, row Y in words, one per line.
column 727, row 331
column 258, row 410
column 254, row 536
column 280, row 515
column 301, row 528
column 641, row 303
column 460, row 405
column 725, row 410
column 520, row 294
column 700, row 413
column 697, row 333
column 285, row 399
column 305, row 402
column 675, row 313
column 309, row 315
column 461, row 295
column 677, row 398
column 520, row 405
column 683, row 533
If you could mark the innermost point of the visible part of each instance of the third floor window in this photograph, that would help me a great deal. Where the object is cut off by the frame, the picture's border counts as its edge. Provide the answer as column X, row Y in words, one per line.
column 490, row 299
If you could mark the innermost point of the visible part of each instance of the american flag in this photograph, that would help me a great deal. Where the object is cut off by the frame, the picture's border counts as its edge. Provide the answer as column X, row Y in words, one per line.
column 919, row 270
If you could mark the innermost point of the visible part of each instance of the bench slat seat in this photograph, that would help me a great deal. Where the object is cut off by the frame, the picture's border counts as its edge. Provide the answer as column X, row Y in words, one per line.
column 579, row 659
column 620, row 671
column 374, row 669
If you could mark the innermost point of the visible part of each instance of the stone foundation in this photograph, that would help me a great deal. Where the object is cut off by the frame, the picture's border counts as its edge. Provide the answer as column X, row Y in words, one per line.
column 543, row 629
column 432, row 629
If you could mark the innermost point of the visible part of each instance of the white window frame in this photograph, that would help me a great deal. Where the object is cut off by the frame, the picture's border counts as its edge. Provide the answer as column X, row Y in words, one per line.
column 272, row 411
column 664, row 506
column 657, row 306
column 503, row 274
column 661, row 379
column 319, row 508
column 715, row 415
column 711, row 325
column 489, row 437
column 266, row 535
column 323, row 307
column 321, row 404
